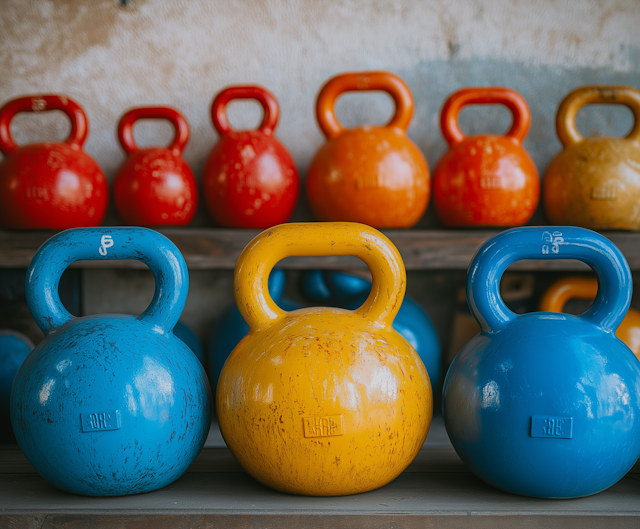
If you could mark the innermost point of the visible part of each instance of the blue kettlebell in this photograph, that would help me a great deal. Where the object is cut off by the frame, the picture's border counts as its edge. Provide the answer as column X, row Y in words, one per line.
column 545, row 404
column 14, row 348
column 227, row 332
column 111, row 404
column 350, row 291
column 185, row 334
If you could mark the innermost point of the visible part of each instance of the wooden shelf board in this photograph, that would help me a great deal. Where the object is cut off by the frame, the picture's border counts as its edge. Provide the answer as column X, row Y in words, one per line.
column 220, row 248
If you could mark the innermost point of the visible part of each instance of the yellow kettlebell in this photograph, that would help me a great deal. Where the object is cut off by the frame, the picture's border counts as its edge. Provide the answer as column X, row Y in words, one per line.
column 595, row 182
column 323, row 401
column 572, row 287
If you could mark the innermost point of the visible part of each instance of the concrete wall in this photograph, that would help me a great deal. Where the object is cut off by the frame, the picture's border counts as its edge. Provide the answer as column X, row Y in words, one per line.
column 110, row 58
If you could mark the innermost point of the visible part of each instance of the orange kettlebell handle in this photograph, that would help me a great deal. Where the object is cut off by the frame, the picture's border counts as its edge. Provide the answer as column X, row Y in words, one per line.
column 43, row 103
column 567, row 288
column 601, row 95
column 125, row 127
column 317, row 239
column 484, row 96
column 356, row 82
column 261, row 95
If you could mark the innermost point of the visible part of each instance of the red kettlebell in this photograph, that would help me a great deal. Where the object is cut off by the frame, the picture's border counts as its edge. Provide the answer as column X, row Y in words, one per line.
column 250, row 179
column 49, row 185
column 155, row 186
column 485, row 180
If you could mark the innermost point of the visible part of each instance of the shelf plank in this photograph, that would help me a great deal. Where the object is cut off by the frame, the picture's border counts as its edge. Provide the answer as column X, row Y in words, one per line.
column 220, row 249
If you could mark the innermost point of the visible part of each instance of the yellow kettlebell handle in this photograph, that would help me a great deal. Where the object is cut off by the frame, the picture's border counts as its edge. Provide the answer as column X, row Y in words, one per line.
column 589, row 95
column 557, row 295
column 319, row 239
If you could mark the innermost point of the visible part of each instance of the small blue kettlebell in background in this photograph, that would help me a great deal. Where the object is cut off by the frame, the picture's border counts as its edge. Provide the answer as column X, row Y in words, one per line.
column 227, row 332
column 349, row 291
column 185, row 333
column 14, row 348
column 110, row 404
column 546, row 404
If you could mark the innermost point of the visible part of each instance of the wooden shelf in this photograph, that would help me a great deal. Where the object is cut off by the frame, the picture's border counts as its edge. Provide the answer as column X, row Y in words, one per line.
column 220, row 248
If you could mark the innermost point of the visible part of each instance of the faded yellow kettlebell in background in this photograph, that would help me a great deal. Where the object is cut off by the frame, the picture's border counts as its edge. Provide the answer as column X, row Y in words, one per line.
column 571, row 287
column 595, row 182
column 323, row 401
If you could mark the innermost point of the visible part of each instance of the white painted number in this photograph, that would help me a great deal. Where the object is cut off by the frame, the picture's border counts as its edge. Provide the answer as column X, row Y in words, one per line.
column 107, row 242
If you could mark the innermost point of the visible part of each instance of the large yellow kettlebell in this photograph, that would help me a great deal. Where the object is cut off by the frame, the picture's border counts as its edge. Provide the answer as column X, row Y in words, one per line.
column 571, row 287
column 595, row 182
column 323, row 401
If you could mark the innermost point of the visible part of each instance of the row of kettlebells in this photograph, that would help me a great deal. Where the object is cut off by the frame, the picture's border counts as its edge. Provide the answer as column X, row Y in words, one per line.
column 371, row 174
column 326, row 401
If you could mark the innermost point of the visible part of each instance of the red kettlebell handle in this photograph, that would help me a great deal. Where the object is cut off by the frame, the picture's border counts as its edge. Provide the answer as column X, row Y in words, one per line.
column 42, row 103
column 262, row 95
column 356, row 82
column 484, row 96
column 125, row 127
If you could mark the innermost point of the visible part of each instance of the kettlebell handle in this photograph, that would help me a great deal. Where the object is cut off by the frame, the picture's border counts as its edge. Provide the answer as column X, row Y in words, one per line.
column 42, row 103
column 125, row 127
column 484, row 96
column 318, row 239
column 557, row 295
column 549, row 242
column 261, row 95
column 602, row 95
column 80, row 244
column 363, row 81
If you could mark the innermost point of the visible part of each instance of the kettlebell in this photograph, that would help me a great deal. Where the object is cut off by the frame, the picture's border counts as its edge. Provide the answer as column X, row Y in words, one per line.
column 485, row 180
column 350, row 291
column 545, row 404
column 49, row 185
column 14, row 348
column 123, row 404
column 595, row 182
column 185, row 334
column 323, row 401
column 570, row 287
column 370, row 174
column 155, row 186
column 230, row 328
column 249, row 178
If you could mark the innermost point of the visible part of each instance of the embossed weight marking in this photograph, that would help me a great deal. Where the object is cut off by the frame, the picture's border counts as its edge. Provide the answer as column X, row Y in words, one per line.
column 101, row 421
column 552, row 427
column 323, row 426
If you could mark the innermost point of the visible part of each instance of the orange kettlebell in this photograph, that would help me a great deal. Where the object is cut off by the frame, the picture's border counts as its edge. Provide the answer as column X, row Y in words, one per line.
column 370, row 174
column 485, row 180
column 323, row 401
column 571, row 287
column 595, row 182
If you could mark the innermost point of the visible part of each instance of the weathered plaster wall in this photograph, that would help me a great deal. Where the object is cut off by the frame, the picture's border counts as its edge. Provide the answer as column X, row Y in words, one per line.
column 110, row 58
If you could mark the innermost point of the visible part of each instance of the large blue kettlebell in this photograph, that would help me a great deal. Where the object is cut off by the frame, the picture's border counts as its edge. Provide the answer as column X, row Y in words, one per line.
column 545, row 404
column 14, row 348
column 349, row 291
column 227, row 332
column 110, row 404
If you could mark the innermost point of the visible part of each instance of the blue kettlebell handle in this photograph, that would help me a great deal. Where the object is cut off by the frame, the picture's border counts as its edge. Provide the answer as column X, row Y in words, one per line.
column 549, row 242
column 89, row 244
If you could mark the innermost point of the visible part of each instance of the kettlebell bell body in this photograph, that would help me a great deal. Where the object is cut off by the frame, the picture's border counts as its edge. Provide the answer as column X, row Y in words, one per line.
column 570, row 287
column 545, row 404
column 323, row 401
column 485, row 180
column 595, row 182
column 155, row 186
column 124, row 405
column 227, row 332
column 249, row 179
column 14, row 348
column 350, row 292
column 49, row 185
column 369, row 174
